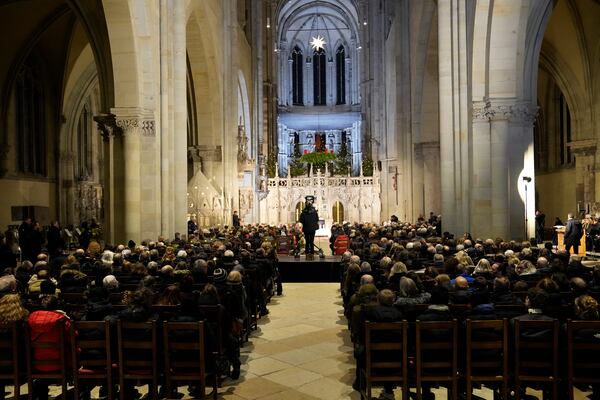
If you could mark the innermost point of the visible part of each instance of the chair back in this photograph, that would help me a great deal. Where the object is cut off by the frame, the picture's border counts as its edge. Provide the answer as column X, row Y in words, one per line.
column 386, row 357
column 583, row 349
column 47, row 359
column 91, row 353
column 185, row 354
column 11, row 347
column 437, row 353
column 536, row 353
column 138, row 353
column 487, row 353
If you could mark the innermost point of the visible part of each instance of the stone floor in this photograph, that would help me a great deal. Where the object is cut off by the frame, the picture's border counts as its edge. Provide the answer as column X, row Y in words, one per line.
column 302, row 350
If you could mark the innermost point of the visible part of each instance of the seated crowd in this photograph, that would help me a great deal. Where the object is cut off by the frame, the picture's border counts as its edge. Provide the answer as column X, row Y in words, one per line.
column 234, row 269
column 402, row 271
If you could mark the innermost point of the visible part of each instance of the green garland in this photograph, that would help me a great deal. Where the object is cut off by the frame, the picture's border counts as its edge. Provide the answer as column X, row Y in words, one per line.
column 318, row 159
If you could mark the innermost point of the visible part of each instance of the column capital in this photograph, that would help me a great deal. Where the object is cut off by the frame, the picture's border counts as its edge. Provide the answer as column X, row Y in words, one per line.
column 586, row 147
column 108, row 126
column 512, row 110
column 133, row 120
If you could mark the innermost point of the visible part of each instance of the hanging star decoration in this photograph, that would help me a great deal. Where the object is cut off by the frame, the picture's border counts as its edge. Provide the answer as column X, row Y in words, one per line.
column 318, row 42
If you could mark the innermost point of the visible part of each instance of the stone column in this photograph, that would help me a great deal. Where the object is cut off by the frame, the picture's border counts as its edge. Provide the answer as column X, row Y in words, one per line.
column 481, row 184
column 499, row 144
column 179, row 161
column 308, row 83
column 112, row 177
column 67, row 184
column 585, row 155
column 347, row 75
column 454, row 86
column 4, row 149
column 133, row 170
column 431, row 177
column 289, row 93
column 418, row 182
column 331, row 82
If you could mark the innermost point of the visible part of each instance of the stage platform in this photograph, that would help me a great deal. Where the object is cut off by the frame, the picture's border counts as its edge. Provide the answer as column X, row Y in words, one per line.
column 316, row 270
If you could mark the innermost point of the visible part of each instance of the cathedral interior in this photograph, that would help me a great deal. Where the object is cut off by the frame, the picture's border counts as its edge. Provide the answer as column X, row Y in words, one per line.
column 143, row 114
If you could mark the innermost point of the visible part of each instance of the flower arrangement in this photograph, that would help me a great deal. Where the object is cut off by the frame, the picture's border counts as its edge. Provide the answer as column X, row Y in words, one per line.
column 318, row 158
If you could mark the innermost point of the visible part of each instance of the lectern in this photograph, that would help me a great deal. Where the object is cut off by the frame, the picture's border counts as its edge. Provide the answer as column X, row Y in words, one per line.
column 560, row 232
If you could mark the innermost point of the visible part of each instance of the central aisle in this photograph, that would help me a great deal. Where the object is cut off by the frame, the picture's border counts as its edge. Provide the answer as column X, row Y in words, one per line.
column 301, row 350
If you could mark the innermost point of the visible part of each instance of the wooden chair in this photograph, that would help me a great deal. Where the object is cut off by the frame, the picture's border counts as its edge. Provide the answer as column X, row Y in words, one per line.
column 213, row 316
column 583, row 360
column 536, row 359
column 185, row 357
column 386, row 357
column 437, row 354
column 61, row 374
column 138, row 361
column 487, row 354
column 11, row 347
column 91, row 353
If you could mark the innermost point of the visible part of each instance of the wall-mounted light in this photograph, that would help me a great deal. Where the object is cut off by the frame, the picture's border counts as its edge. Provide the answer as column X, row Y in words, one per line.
column 268, row 23
column 365, row 22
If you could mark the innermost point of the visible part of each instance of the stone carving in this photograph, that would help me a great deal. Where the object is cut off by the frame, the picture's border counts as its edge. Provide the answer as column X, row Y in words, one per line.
column 242, row 154
column 88, row 201
column 523, row 112
column 108, row 126
column 148, row 128
column 487, row 110
column 482, row 111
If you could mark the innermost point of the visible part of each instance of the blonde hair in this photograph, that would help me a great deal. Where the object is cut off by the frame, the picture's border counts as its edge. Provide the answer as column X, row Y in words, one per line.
column 94, row 248
column 398, row 268
column 234, row 276
column 586, row 305
column 463, row 258
column 483, row 266
column 11, row 308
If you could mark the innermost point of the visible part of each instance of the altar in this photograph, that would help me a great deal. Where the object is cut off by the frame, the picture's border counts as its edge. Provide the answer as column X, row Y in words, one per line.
column 337, row 199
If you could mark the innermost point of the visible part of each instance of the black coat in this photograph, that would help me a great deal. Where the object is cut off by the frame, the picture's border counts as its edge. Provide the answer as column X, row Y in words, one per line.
column 309, row 219
column 573, row 232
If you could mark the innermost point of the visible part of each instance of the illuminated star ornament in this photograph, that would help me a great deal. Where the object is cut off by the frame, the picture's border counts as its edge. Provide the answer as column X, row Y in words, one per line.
column 318, row 43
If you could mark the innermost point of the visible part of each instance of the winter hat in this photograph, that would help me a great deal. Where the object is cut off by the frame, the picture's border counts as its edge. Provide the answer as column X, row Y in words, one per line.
column 219, row 275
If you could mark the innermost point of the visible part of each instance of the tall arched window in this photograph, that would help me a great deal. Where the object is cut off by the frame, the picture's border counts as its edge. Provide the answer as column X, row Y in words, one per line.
column 340, row 75
column 84, row 144
column 564, row 130
column 31, row 156
column 319, row 76
column 297, row 81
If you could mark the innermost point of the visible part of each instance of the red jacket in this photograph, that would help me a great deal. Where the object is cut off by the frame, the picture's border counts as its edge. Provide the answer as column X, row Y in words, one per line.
column 341, row 244
column 43, row 327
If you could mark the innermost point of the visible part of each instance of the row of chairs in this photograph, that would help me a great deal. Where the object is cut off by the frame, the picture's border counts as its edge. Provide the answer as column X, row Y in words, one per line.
column 86, row 358
column 489, row 350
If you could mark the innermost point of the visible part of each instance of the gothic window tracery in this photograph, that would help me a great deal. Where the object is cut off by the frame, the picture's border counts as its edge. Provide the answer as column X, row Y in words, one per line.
column 319, row 77
column 84, row 143
column 340, row 75
column 31, row 156
column 297, row 84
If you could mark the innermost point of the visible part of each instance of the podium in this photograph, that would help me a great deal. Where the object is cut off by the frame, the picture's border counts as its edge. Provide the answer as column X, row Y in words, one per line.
column 560, row 233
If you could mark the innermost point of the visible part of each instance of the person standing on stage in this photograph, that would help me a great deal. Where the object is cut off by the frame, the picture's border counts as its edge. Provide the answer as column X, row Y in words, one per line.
column 236, row 220
column 309, row 218
column 573, row 234
column 540, row 222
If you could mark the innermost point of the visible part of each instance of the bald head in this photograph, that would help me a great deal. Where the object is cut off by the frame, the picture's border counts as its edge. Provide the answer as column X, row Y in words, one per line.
column 461, row 283
column 366, row 279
